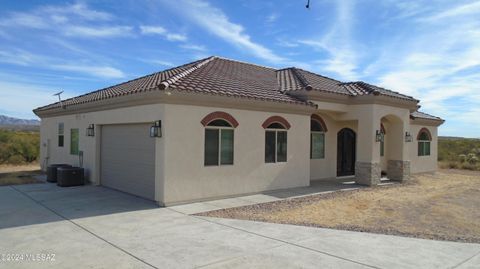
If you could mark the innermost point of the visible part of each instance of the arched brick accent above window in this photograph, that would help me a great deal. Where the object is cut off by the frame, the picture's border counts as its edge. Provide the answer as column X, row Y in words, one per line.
column 424, row 130
column 277, row 119
column 219, row 115
column 319, row 119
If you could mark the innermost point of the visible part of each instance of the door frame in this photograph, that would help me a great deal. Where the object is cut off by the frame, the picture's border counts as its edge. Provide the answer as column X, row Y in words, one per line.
column 341, row 170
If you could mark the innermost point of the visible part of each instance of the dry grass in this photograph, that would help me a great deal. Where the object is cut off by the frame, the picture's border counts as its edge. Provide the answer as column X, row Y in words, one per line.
column 20, row 174
column 443, row 206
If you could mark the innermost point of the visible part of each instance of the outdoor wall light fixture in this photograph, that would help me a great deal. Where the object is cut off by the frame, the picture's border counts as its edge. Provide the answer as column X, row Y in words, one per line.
column 408, row 137
column 379, row 136
column 91, row 130
column 156, row 129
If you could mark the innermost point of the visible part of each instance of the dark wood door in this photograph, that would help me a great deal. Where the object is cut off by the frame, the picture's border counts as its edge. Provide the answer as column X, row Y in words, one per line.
column 346, row 139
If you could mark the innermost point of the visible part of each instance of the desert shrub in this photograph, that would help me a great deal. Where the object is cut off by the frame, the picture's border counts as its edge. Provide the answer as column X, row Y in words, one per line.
column 18, row 147
column 453, row 165
column 15, row 159
column 468, row 166
column 472, row 158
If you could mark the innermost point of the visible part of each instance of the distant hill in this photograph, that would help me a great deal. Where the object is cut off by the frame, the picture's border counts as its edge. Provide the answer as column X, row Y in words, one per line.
column 11, row 123
column 455, row 138
column 5, row 120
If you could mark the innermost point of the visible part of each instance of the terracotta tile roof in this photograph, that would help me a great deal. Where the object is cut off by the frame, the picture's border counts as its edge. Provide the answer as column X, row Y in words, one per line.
column 219, row 76
column 293, row 79
column 363, row 88
column 231, row 78
column 422, row 115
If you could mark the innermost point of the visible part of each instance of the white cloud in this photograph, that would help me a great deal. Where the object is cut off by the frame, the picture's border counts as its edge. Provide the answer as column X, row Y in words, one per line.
column 147, row 30
column 18, row 57
column 176, row 37
column 217, row 23
column 24, row 58
column 159, row 30
column 458, row 11
column 71, row 20
column 105, row 31
column 160, row 62
column 79, row 10
column 18, row 19
column 97, row 71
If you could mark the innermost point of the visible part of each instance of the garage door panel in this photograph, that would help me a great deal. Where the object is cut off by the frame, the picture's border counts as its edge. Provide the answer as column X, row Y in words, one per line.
column 140, row 142
column 128, row 159
column 119, row 154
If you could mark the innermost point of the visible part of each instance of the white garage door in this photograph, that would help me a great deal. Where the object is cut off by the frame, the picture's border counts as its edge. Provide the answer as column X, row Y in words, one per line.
column 128, row 159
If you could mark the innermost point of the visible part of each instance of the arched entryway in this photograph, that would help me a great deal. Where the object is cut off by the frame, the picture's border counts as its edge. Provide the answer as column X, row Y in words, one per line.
column 346, row 152
column 393, row 156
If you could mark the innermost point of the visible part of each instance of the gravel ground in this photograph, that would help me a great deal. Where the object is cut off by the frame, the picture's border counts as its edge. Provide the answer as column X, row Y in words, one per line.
column 19, row 174
column 441, row 206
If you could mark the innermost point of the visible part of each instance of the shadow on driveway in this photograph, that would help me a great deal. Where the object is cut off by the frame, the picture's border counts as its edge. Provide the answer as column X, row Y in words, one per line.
column 23, row 204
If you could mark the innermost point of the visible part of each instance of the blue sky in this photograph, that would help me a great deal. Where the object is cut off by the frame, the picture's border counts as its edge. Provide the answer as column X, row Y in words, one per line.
column 427, row 49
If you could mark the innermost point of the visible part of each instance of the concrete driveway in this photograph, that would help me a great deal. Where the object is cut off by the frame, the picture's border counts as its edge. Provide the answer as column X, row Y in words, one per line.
column 95, row 227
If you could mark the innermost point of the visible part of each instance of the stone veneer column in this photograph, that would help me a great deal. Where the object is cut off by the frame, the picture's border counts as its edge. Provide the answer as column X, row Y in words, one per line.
column 398, row 170
column 367, row 173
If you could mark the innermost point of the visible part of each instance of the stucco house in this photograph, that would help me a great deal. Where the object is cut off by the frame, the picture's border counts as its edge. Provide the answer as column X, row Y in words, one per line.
column 218, row 127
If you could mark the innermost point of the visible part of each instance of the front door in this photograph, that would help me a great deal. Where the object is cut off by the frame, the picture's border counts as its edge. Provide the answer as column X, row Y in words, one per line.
column 346, row 152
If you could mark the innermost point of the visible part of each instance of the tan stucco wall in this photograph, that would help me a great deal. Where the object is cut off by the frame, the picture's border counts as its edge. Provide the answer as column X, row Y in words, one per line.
column 188, row 179
column 90, row 145
column 420, row 164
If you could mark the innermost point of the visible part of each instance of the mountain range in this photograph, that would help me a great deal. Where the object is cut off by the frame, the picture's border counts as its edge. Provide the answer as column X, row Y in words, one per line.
column 16, row 124
column 5, row 120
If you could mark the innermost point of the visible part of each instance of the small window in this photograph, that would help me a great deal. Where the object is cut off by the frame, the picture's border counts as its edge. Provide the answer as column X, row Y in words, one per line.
column 382, row 148
column 74, row 141
column 275, row 143
column 423, row 143
column 317, row 140
column 218, row 143
column 60, row 134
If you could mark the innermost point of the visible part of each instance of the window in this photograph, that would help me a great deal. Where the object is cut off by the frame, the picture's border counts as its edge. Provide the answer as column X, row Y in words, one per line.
column 424, row 139
column 218, row 143
column 275, row 143
column 60, row 134
column 317, row 140
column 382, row 148
column 74, row 141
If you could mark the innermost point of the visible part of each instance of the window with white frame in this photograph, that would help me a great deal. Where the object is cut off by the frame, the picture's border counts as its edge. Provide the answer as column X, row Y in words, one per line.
column 218, row 143
column 60, row 134
column 317, row 140
column 275, row 143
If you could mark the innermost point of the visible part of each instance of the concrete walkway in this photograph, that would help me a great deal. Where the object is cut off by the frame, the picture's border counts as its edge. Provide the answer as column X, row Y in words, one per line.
column 95, row 227
column 316, row 187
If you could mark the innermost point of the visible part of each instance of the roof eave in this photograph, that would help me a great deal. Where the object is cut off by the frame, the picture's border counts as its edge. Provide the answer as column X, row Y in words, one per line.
column 179, row 97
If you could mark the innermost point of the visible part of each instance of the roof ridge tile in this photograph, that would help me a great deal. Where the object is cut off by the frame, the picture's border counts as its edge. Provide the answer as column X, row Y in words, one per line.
column 169, row 81
column 302, row 79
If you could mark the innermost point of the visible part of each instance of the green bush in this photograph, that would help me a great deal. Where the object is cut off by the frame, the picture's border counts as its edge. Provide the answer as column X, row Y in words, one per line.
column 17, row 147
